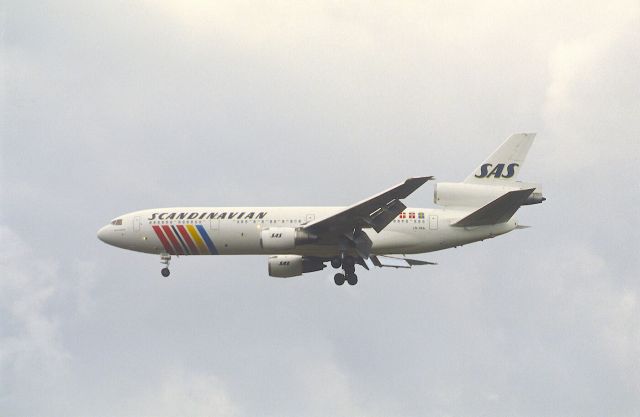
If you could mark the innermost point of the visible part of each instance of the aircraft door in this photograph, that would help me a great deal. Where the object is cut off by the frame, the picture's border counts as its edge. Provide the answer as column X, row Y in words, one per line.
column 137, row 221
column 214, row 225
column 433, row 222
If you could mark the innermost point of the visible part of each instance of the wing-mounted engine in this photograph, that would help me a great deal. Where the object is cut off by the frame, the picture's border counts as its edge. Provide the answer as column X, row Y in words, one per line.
column 287, row 266
column 284, row 238
column 461, row 194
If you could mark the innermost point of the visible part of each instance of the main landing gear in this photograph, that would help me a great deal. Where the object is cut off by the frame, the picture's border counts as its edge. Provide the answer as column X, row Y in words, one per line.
column 348, row 265
column 164, row 259
column 340, row 279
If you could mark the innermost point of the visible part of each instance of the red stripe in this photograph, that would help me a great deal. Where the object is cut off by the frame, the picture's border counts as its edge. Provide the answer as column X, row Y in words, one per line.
column 187, row 238
column 163, row 239
column 173, row 239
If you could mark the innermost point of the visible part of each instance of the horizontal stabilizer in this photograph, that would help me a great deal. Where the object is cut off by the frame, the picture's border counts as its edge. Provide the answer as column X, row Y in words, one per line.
column 397, row 262
column 499, row 210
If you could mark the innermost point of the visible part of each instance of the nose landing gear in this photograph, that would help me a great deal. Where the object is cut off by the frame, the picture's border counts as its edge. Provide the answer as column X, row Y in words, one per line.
column 164, row 259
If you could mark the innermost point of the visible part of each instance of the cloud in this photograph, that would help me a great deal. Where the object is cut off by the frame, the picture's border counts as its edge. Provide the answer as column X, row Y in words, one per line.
column 328, row 389
column 590, row 294
column 183, row 393
column 581, row 326
column 587, row 105
column 115, row 107
column 32, row 356
column 38, row 299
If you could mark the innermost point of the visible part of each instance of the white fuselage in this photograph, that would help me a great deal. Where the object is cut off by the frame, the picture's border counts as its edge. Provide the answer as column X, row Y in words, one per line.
column 379, row 230
column 237, row 231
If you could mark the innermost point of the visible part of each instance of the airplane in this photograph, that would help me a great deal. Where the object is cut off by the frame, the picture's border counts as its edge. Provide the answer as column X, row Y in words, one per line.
column 378, row 231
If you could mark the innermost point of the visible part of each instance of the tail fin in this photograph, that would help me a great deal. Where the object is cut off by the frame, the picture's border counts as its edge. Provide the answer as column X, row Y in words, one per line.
column 503, row 166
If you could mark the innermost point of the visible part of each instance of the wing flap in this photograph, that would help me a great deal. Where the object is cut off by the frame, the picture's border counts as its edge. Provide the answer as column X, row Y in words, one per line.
column 499, row 210
column 383, row 261
column 380, row 218
column 375, row 212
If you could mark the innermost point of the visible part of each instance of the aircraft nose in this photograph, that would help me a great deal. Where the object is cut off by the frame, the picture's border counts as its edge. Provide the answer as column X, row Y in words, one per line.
column 103, row 234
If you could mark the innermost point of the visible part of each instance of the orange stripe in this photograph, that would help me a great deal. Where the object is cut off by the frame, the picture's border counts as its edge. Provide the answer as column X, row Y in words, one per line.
column 196, row 238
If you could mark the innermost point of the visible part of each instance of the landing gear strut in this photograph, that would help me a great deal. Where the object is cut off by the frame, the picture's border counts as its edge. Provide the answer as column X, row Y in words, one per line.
column 164, row 259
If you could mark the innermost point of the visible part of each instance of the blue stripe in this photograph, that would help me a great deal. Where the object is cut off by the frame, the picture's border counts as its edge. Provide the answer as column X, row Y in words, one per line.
column 207, row 239
column 185, row 247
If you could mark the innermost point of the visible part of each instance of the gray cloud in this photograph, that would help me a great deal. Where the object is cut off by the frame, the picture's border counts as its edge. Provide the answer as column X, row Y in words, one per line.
column 109, row 108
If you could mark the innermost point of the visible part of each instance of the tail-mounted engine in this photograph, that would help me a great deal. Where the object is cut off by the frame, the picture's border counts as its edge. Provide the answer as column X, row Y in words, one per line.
column 287, row 266
column 284, row 238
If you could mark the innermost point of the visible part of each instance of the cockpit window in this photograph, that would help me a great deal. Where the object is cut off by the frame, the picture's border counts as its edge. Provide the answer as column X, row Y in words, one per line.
column 117, row 222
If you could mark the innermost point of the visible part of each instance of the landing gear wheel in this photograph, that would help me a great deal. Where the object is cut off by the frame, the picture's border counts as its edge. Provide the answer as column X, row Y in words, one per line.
column 165, row 258
column 336, row 263
column 338, row 279
column 352, row 279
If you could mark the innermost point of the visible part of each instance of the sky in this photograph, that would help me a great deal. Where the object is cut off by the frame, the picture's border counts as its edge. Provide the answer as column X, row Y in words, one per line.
column 110, row 107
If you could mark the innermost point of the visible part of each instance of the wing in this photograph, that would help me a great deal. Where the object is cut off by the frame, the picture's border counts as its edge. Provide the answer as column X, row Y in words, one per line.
column 375, row 212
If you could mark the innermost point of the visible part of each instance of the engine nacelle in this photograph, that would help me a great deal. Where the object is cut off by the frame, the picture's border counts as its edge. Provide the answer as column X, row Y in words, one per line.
column 287, row 266
column 284, row 238
column 460, row 194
